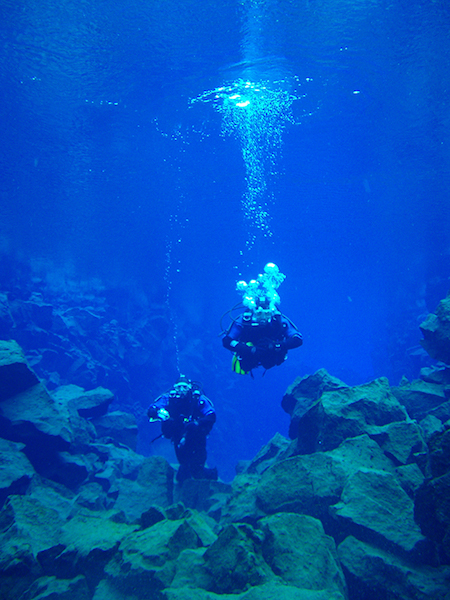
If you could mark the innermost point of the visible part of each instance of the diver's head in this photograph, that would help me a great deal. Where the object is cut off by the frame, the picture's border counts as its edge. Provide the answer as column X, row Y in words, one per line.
column 182, row 387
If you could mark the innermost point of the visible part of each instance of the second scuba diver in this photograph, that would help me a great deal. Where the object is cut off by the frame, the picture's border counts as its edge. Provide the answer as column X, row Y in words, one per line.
column 261, row 336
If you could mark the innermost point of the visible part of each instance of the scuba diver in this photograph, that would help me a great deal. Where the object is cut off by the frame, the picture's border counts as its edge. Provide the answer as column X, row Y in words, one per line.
column 261, row 336
column 187, row 416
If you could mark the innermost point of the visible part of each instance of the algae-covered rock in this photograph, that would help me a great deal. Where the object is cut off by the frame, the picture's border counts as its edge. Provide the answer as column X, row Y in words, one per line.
column 410, row 478
column 297, row 550
column 49, row 588
column 267, row 591
column 201, row 494
column 306, row 484
column 311, row 483
column 304, row 393
column 347, row 412
column 145, row 559
column 375, row 501
column 27, row 528
column 377, row 573
column 432, row 511
column 15, row 375
column 52, row 495
column 241, row 504
column 277, row 448
column 191, row 571
column 153, row 487
column 25, row 518
column 399, row 440
column 15, row 469
column 436, row 332
column 86, row 543
column 119, row 426
column 420, row 397
column 88, row 404
column 202, row 525
column 234, row 560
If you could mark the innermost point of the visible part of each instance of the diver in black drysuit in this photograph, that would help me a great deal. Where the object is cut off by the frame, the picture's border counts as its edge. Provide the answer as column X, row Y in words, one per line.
column 260, row 342
column 187, row 416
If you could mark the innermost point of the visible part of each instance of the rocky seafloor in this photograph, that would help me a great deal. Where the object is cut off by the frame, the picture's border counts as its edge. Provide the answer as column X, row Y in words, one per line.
column 354, row 504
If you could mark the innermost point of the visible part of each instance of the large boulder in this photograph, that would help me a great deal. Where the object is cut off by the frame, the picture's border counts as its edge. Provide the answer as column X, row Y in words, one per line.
column 88, row 404
column 153, row 486
column 273, row 590
column 304, row 393
column 15, row 375
column 276, row 449
column 436, row 332
column 432, row 512
column 145, row 561
column 312, row 483
column 374, row 504
column 119, row 426
column 347, row 412
column 419, row 397
column 297, row 550
column 26, row 529
column 15, row 469
column 374, row 573
column 86, row 544
column 49, row 588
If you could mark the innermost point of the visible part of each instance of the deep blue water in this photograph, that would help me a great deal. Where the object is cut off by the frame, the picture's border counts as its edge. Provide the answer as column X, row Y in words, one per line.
column 118, row 163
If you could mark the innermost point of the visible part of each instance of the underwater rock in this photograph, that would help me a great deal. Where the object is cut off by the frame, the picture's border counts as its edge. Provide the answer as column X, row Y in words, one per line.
column 88, row 404
column 119, row 426
column 272, row 590
column 241, row 503
column 399, row 440
column 15, row 469
column 375, row 573
column 145, row 559
column 15, row 375
column 234, row 561
column 434, row 374
column 19, row 567
column 311, row 483
column 304, row 392
column 25, row 519
column 33, row 415
column 373, row 501
column 279, row 447
column 297, row 550
column 90, row 539
column 432, row 513
column 49, row 588
column 345, row 413
column 92, row 496
column 439, row 457
column 153, row 487
column 202, row 525
column 190, row 572
column 431, row 425
column 202, row 494
column 52, row 495
column 27, row 529
column 6, row 319
column 436, row 332
column 410, row 477
column 420, row 397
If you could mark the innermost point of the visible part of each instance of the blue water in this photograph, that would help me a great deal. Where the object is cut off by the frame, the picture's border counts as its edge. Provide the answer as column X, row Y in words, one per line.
column 124, row 159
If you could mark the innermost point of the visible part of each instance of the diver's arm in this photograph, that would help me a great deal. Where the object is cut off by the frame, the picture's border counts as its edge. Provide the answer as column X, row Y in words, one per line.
column 158, row 410
column 231, row 340
column 294, row 341
column 292, row 336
